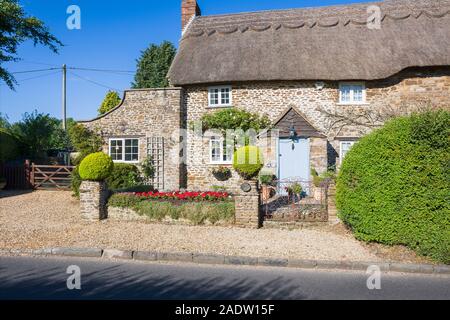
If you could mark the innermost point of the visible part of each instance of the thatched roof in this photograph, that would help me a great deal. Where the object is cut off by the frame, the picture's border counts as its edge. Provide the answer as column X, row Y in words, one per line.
column 326, row 43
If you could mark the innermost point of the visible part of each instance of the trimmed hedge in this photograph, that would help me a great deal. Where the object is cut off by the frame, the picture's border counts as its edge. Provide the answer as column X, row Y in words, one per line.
column 96, row 166
column 393, row 186
column 123, row 175
column 248, row 161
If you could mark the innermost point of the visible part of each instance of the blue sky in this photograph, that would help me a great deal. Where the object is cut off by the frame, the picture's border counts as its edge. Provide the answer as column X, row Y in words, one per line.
column 111, row 37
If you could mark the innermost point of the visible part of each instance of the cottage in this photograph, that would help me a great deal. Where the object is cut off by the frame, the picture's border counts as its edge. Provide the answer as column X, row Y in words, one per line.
column 324, row 76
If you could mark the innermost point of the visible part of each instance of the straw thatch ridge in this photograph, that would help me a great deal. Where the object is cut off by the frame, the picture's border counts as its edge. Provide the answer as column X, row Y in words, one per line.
column 326, row 43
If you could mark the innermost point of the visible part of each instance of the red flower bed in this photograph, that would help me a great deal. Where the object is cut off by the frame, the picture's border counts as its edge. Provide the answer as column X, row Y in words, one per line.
column 189, row 195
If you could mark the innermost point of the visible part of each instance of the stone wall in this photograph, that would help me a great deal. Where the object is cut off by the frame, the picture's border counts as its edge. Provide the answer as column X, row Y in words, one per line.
column 93, row 198
column 146, row 113
column 411, row 87
column 247, row 206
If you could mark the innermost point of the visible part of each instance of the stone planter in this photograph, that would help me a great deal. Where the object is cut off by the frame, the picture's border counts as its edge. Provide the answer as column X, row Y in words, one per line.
column 248, row 204
column 93, row 197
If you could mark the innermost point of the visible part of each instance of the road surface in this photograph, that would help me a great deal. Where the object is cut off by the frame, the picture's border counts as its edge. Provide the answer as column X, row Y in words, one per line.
column 46, row 278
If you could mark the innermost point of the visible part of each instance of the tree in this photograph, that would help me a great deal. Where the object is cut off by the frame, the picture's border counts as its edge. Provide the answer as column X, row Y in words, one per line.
column 84, row 141
column 153, row 66
column 15, row 28
column 112, row 99
column 34, row 131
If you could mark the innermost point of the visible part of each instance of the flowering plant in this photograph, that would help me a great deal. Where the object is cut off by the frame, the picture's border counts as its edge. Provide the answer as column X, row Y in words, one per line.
column 221, row 173
column 188, row 195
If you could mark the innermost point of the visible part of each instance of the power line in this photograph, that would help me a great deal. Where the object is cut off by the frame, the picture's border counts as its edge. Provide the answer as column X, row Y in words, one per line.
column 102, row 70
column 40, row 76
column 94, row 82
column 36, row 70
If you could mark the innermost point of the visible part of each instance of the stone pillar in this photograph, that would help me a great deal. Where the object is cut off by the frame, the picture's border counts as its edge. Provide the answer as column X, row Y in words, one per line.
column 93, row 197
column 247, row 205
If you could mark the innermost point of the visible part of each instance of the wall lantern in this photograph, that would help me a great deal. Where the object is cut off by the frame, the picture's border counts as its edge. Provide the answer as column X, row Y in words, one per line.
column 292, row 135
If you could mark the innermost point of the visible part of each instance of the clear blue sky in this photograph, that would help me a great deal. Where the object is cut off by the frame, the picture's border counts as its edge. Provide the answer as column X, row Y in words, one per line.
column 111, row 37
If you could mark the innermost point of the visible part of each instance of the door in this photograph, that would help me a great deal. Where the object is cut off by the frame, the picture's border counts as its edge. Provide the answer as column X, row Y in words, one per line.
column 293, row 161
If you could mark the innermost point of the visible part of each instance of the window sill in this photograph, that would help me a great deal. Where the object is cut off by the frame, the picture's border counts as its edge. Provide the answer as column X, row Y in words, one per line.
column 220, row 163
column 219, row 107
column 130, row 162
column 352, row 104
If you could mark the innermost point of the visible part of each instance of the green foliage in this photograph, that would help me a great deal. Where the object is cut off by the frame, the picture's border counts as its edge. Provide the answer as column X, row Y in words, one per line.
column 84, row 141
column 232, row 119
column 9, row 146
column 35, row 132
column 123, row 200
column 295, row 188
column 96, row 167
column 153, row 66
column 248, row 161
column 148, row 170
column 393, row 186
column 137, row 188
column 197, row 213
column 15, row 28
column 75, row 181
column 329, row 175
column 112, row 100
column 123, row 175
column 267, row 179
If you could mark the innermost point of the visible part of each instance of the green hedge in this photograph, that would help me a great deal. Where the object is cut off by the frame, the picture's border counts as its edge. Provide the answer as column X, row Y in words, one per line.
column 123, row 175
column 248, row 161
column 197, row 213
column 96, row 166
column 393, row 186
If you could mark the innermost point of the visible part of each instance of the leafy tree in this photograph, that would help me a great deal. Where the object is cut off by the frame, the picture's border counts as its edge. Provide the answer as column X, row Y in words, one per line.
column 84, row 141
column 153, row 66
column 4, row 122
column 34, row 131
column 15, row 28
column 112, row 99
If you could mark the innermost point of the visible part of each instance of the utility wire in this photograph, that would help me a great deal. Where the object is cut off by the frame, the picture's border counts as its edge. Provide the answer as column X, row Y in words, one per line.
column 36, row 70
column 102, row 70
column 94, row 82
column 40, row 76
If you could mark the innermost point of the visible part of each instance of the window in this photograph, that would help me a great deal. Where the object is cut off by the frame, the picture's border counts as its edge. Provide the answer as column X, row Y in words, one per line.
column 219, row 96
column 220, row 152
column 352, row 93
column 345, row 147
column 124, row 150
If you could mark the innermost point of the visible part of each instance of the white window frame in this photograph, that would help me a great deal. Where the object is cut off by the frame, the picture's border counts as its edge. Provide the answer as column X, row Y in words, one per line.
column 341, row 156
column 221, row 161
column 352, row 99
column 220, row 104
column 123, row 149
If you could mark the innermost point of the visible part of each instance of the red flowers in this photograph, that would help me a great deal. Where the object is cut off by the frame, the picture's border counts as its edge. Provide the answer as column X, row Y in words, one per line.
column 189, row 195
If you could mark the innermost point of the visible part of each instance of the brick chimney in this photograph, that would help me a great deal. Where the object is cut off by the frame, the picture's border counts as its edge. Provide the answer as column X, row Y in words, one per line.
column 189, row 10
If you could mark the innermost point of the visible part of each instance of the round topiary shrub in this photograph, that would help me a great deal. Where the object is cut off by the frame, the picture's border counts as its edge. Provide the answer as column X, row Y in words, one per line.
column 96, row 167
column 124, row 175
column 248, row 161
column 393, row 186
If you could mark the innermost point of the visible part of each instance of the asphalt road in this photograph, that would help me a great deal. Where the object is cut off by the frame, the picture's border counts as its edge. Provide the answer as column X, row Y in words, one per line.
column 46, row 278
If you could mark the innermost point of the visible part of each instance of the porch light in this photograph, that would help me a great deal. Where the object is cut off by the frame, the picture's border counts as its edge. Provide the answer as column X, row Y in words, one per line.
column 292, row 135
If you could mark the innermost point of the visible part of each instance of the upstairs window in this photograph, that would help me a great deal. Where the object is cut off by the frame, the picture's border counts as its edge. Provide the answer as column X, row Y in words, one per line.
column 124, row 150
column 352, row 93
column 219, row 96
column 219, row 151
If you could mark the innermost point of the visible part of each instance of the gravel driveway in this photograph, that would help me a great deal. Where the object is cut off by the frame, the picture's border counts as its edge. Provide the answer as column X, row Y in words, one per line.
column 43, row 219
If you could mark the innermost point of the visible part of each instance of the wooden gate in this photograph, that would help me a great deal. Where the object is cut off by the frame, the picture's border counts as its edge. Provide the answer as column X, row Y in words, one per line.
column 49, row 177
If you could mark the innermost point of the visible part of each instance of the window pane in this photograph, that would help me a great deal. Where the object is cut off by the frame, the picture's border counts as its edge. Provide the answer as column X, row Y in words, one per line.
column 358, row 93
column 225, row 96
column 116, row 150
column 345, row 93
column 213, row 96
column 345, row 147
column 131, row 150
column 228, row 151
column 215, row 149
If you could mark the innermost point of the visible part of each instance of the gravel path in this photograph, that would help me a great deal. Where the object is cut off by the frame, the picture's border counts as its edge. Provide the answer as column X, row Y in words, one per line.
column 43, row 219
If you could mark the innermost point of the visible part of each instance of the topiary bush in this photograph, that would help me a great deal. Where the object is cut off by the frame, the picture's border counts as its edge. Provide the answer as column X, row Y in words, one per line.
column 96, row 167
column 393, row 186
column 248, row 161
column 124, row 175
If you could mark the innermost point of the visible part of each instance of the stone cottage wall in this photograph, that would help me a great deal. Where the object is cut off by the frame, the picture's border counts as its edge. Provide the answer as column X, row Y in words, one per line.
column 146, row 113
column 412, row 86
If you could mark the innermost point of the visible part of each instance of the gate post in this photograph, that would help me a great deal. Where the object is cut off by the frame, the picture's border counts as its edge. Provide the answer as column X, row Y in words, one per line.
column 28, row 176
column 93, row 197
column 248, row 205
